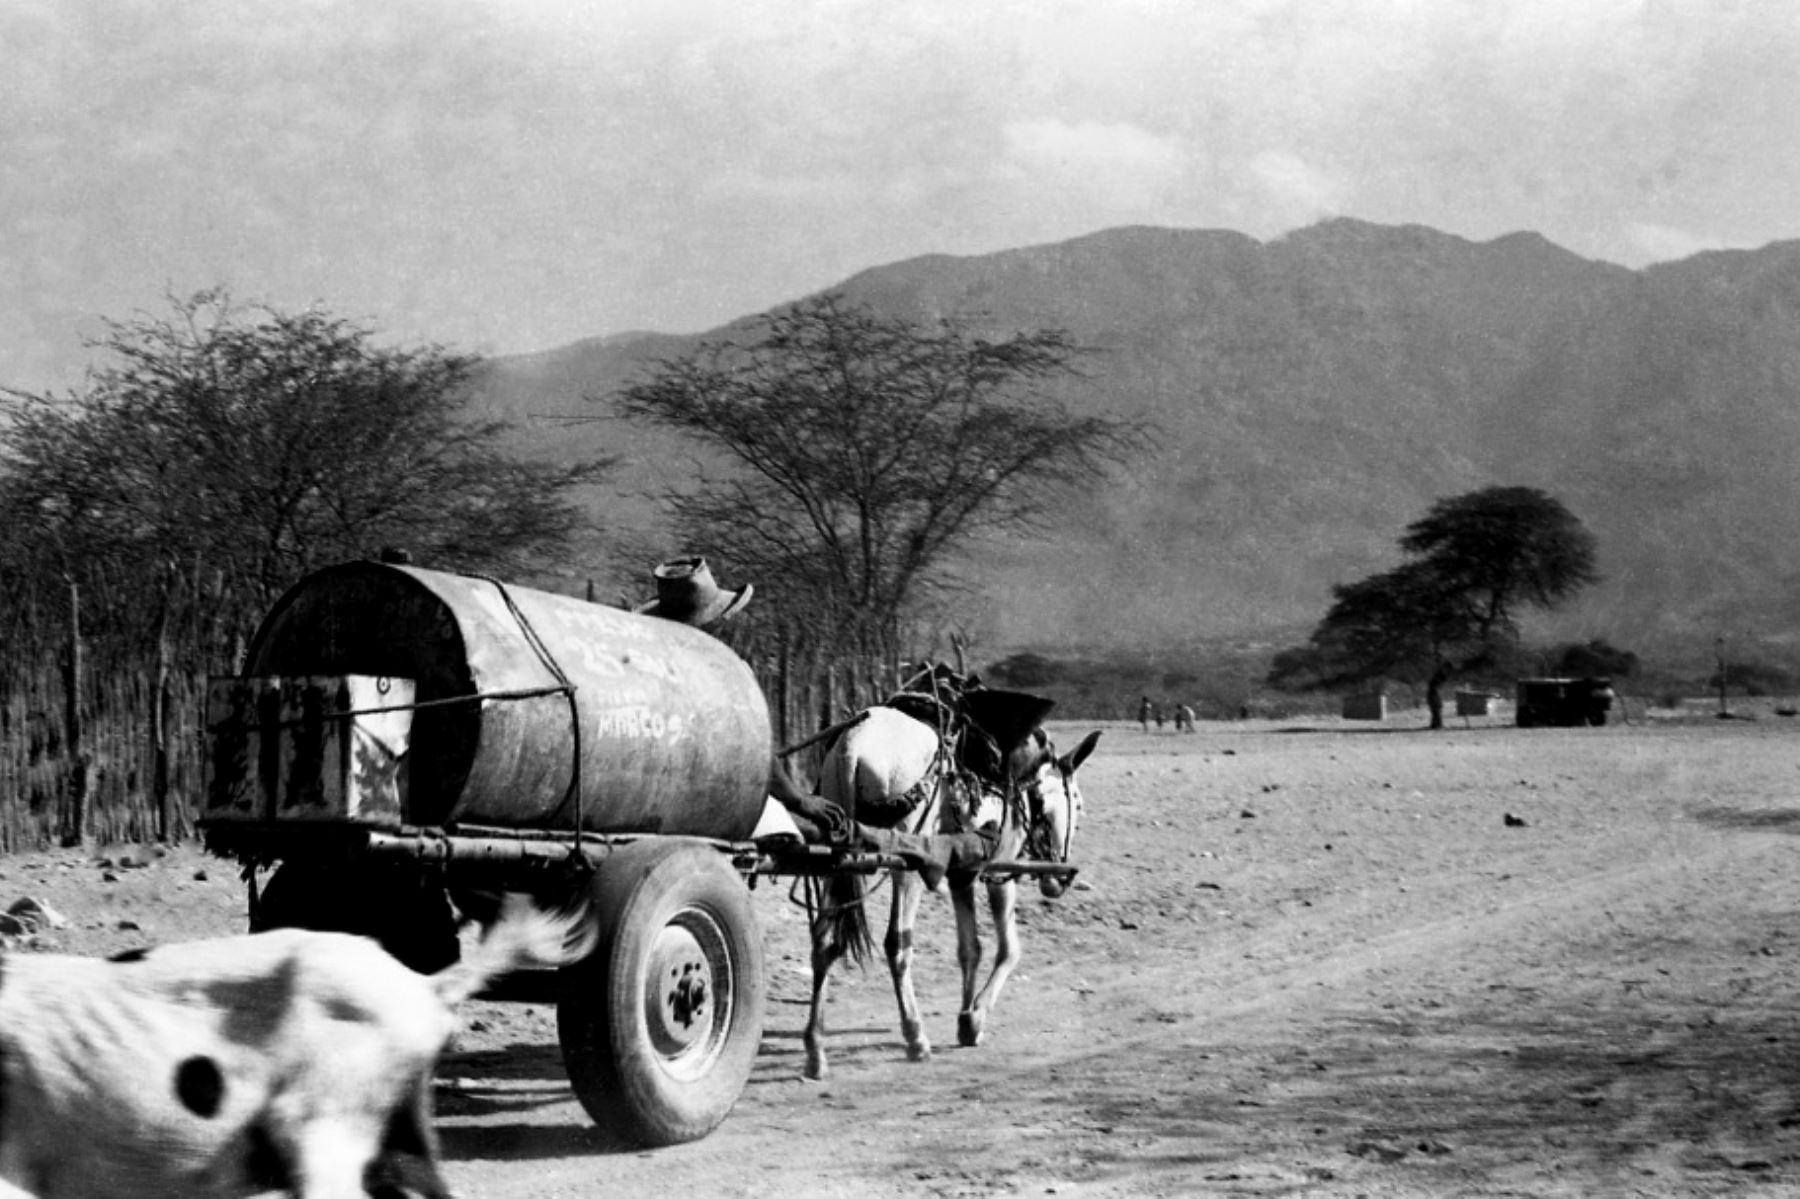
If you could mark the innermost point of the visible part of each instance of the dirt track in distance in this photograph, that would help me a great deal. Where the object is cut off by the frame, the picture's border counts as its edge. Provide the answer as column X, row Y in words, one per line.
column 1311, row 958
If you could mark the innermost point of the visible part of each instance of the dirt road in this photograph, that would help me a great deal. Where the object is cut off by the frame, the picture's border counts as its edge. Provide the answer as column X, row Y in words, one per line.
column 1308, row 959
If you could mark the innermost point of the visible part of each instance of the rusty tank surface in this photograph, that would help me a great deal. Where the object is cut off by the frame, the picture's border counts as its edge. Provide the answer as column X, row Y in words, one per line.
column 531, row 710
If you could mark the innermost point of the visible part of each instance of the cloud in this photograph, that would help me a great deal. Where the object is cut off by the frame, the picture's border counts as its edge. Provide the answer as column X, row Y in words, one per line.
column 1295, row 191
column 738, row 183
column 515, row 173
column 1121, row 169
column 1662, row 243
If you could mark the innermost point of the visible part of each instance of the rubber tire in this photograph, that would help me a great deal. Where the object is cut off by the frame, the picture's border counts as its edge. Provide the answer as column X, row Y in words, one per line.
column 407, row 913
column 686, row 896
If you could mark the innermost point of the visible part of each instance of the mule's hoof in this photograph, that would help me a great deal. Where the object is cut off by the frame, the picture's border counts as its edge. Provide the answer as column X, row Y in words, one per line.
column 918, row 1053
column 815, row 1070
column 968, row 1031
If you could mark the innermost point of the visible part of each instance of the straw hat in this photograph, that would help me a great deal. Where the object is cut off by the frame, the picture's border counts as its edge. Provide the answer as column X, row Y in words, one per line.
column 686, row 592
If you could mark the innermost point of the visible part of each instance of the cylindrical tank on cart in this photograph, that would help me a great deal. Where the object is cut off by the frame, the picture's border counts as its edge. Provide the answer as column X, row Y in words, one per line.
column 668, row 725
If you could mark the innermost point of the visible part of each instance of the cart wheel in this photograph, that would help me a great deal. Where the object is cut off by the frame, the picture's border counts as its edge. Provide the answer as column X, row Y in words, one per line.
column 659, row 1026
column 407, row 913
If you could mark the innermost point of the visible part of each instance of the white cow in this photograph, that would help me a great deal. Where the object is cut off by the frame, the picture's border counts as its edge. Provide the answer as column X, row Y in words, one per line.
column 287, row 1060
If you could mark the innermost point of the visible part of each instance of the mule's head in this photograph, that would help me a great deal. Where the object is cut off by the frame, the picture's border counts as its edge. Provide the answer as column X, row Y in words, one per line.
column 1053, row 807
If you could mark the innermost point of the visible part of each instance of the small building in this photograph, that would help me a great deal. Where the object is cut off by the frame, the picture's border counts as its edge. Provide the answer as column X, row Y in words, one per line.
column 1563, row 703
column 1474, row 703
column 1371, row 706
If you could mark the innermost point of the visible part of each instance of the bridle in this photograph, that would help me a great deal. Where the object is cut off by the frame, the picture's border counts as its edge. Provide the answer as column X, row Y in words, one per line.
column 1038, row 826
column 1024, row 812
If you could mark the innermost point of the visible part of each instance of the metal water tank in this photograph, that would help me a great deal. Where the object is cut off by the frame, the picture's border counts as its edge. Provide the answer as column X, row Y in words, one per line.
column 530, row 705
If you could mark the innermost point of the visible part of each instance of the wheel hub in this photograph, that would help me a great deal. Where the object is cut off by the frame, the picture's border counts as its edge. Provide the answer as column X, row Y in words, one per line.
column 679, row 993
column 689, row 999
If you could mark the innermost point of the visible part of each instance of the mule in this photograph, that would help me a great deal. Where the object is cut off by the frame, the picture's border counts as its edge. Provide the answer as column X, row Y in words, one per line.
column 876, row 763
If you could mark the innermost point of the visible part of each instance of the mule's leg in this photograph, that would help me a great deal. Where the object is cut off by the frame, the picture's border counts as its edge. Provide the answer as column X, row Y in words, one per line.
column 968, row 958
column 1003, row 903
column 909, row 889
column 825, row 954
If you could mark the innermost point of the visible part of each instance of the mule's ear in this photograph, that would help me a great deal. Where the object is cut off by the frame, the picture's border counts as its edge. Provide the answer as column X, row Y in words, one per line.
column 1081, row 752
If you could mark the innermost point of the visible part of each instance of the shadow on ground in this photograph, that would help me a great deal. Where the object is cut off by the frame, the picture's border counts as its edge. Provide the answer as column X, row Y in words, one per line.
column 1627, row 1091
column 1782, row 820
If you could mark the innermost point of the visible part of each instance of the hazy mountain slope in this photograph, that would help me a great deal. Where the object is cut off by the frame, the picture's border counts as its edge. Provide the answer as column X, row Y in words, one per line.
column 1315, row 393
column 551, row 398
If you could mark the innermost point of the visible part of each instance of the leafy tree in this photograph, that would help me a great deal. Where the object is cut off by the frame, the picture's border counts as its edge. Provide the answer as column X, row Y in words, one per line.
column 1596, row 658
column 1025, row 669
column 225, row 450
column 868, row 452
column 1474, row 561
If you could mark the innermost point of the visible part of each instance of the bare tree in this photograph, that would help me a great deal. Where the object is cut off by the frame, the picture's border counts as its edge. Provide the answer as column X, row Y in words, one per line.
column 870, row 451
column 148, row 519
column 261, row 444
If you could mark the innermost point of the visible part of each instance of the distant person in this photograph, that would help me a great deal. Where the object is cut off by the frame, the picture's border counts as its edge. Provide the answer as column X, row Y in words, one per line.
column 1146, row 710
column 1184, row 719
column 1159, row 717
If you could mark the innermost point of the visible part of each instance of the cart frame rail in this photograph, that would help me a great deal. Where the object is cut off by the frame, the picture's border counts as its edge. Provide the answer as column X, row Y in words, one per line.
column 513, row 856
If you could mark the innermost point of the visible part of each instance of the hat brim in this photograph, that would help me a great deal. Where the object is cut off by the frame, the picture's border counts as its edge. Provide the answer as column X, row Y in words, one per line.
column 1007, row 716
column 722, row 605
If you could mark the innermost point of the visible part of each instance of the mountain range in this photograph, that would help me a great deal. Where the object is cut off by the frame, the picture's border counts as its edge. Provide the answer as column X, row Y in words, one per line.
column 1314, row 394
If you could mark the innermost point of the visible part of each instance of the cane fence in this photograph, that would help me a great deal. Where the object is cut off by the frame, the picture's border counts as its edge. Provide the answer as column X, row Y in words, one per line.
column 110, row 748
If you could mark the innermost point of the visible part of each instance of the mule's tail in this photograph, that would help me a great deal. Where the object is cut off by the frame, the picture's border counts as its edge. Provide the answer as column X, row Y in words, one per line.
column 525, row 936
column 841, row 927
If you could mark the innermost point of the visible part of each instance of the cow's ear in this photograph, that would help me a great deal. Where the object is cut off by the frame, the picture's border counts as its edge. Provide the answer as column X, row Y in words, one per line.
column 1081, row 752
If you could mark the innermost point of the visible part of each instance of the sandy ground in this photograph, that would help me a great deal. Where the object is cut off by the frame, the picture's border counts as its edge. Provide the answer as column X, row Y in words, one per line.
column 1305, row 959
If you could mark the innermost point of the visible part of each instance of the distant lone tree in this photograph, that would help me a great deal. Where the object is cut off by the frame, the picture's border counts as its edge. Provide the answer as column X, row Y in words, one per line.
column 1474, row 561
column 1595, row 658
column 869, row 451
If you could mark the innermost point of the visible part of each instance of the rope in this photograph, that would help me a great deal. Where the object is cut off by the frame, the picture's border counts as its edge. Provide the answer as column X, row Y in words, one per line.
column 522, row 693
column 822, row 734
column 567, row 688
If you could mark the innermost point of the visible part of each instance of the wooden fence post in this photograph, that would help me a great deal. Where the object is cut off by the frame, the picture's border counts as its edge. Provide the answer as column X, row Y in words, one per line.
column 784, row 685
column 74, row 830
column 167, row 824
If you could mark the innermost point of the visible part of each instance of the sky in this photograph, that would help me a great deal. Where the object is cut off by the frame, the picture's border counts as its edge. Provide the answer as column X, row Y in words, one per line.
column 503, row 176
